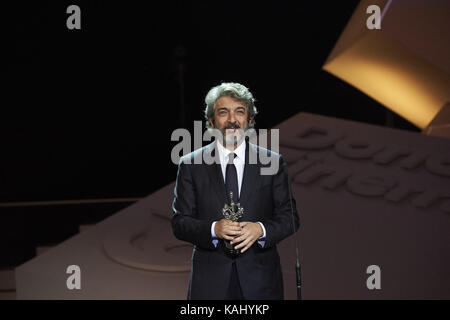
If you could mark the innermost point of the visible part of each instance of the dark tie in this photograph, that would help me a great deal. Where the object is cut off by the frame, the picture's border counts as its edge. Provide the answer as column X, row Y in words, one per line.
column 234, row 291
column 231, row 180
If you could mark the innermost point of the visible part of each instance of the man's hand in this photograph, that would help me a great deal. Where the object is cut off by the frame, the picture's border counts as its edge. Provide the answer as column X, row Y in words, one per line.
column 227, row 229
column 251, row 231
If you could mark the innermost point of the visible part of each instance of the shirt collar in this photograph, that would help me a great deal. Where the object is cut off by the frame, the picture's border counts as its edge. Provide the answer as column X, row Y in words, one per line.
column 239, row 152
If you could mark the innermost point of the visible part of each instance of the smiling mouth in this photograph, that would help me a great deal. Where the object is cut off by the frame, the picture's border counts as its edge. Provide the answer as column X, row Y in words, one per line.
column 231, row 130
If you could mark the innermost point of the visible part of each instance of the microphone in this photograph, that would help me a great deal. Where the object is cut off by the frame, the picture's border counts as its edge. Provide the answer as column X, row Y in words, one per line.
column 298, row 274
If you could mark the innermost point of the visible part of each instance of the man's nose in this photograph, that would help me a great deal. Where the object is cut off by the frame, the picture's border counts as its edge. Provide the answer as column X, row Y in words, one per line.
column 231, row 118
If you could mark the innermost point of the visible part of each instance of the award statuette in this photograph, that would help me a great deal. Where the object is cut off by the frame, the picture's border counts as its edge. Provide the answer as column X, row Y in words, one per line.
column 229, row 212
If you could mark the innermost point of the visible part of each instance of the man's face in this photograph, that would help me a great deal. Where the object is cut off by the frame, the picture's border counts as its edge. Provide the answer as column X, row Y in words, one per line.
column 231, row 118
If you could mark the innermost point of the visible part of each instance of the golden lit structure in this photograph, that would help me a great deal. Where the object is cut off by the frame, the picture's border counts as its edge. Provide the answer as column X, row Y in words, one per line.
column 405, row 65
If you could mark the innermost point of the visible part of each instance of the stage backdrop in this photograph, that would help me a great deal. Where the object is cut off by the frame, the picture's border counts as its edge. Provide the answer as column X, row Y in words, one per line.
column 366, row 195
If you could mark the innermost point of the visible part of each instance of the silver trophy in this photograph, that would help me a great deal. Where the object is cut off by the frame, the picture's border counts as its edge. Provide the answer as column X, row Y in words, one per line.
column 232, row 212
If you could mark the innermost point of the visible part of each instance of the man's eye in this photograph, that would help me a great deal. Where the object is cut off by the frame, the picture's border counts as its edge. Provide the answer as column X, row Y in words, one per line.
column 222, row 112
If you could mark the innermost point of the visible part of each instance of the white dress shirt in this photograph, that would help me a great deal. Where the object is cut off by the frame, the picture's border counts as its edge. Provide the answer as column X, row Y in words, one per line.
column 239, row 163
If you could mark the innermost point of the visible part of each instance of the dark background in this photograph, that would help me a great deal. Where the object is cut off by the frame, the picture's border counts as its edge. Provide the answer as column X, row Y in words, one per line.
column 89, row 113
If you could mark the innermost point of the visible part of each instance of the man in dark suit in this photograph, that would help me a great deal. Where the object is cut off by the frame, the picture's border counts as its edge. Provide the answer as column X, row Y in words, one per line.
column 251, row 270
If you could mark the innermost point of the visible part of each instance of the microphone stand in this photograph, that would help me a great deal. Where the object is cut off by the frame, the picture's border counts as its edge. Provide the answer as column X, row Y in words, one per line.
column 298, row 274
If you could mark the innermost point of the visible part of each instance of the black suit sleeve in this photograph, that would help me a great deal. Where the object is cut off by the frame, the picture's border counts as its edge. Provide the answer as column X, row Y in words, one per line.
column 185, row 223
column 281, row 224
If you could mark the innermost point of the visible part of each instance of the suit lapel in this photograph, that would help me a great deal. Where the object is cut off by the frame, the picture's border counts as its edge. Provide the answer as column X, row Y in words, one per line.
column 216, row 177
column 251, row 178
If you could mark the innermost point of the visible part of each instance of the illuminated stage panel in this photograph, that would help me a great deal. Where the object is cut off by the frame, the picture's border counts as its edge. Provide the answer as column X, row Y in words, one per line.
column 366, row 195
column 405, row 65
column 440, row 125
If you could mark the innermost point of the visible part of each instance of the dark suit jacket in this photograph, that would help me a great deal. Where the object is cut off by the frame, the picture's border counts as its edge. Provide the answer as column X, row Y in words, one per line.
column 199, row 197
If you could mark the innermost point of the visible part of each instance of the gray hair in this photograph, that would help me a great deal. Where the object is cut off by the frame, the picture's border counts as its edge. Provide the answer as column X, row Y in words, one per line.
column 233, row 90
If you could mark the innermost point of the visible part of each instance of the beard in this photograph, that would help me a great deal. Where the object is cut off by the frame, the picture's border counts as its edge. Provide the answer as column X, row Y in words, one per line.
column 233, row 138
